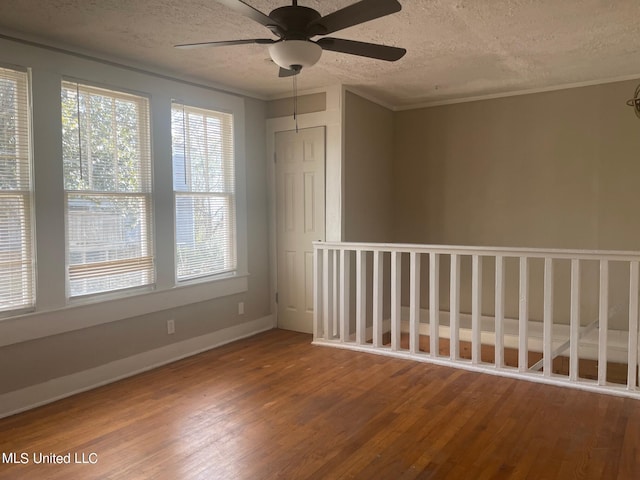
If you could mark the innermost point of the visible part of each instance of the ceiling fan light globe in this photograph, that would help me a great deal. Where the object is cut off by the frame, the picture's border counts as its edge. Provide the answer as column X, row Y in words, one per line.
column 288, row 53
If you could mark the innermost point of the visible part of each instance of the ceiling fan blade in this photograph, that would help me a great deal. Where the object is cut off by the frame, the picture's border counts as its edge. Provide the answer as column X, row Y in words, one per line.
column 225, row 43
column 359, row 12
column 248, row 11
column 363, row 49
column 287, row 73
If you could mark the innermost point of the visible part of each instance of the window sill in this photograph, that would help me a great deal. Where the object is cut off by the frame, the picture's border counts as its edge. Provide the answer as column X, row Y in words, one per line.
column 76, row 316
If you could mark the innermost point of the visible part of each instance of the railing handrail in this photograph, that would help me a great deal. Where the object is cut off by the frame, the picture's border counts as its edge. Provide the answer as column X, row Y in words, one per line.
column 559, row 253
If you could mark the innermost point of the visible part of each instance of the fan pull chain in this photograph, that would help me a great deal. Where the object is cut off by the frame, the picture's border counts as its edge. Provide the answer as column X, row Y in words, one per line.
column 295, row 100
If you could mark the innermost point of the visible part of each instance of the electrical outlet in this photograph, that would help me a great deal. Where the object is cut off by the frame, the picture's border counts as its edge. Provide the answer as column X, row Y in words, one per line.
column 171, row 327
column 240, row 308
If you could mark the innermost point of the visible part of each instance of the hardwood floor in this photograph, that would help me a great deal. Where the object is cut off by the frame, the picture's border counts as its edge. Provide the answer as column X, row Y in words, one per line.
column 273, row 406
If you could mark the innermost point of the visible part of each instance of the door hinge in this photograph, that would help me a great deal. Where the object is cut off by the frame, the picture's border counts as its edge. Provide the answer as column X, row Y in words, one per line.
column 275, row 157
column 276, row 297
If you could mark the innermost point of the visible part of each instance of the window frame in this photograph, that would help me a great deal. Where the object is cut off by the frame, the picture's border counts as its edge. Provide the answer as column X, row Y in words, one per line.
column 229, row 192
column 145, row 192
column 27, row 196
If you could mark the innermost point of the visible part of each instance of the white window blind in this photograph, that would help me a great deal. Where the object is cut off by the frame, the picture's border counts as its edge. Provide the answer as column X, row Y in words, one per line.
column 204, row 190
column 16, row 232
column 108, row 186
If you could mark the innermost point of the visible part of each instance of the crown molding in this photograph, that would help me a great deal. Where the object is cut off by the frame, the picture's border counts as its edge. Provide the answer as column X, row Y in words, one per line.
column 515, row 93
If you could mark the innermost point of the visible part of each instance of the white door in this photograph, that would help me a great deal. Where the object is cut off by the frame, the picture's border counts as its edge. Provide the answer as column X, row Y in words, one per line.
column 299, row 221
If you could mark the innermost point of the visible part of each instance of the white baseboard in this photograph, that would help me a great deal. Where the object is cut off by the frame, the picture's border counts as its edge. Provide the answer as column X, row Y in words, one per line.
column 58, row 388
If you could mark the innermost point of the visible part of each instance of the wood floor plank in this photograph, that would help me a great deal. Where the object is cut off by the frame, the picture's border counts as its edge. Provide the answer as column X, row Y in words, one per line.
column 275, row 407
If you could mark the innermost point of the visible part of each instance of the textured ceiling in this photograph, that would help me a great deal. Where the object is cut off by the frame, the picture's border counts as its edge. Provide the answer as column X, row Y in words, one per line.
column 456, row 48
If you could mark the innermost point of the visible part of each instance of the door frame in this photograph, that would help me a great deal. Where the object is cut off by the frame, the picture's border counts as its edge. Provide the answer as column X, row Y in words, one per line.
column 331, row 119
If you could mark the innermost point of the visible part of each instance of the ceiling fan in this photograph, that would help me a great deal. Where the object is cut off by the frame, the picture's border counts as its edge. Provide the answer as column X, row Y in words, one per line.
column 295, row 26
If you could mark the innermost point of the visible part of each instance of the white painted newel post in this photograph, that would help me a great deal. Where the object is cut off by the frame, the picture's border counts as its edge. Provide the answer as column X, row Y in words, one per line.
column 318, row 253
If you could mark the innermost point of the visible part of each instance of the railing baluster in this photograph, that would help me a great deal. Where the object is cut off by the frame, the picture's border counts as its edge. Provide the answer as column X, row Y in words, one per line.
column 361, row 297
column 574, row 322
column 523, row 316
column 327, row 288
column 547, row 328
column 476, row 309
column 318, row 253
column 603, row 326
column 378, row 276
column 434, row 304
column 454, row 307
column 396, row 292
column 499, row 311
column 632, row 353
column 335, row 296
column 414, row 303
column 345, row 271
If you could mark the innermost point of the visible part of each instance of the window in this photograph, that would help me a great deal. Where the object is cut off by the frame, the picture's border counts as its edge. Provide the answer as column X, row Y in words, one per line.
column 204, row 191
column 16, row 231
column 107, row 181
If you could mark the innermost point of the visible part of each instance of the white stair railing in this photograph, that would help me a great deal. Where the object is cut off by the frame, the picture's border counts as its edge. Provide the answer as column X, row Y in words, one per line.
column 358, row 304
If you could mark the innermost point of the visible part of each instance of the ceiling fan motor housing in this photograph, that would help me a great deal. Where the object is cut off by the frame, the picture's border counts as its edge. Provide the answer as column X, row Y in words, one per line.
column 296, row 20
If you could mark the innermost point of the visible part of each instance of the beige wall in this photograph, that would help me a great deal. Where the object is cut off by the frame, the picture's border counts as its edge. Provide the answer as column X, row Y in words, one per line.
column 557, row 169
column 283, row 107
column 368, row 182
column 368, row 163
